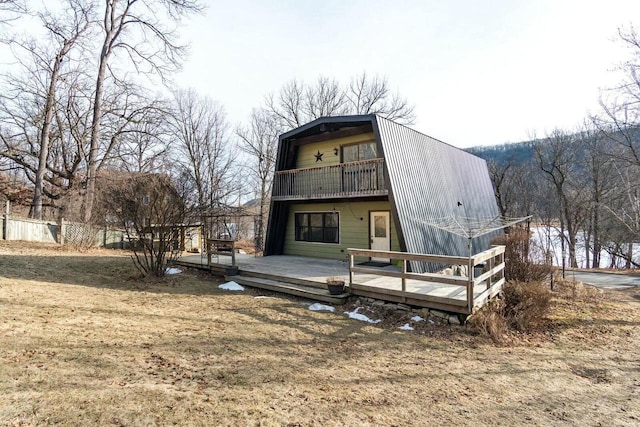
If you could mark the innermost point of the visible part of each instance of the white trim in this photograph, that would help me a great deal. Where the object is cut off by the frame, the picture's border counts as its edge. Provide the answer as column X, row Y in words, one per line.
column 372, row 229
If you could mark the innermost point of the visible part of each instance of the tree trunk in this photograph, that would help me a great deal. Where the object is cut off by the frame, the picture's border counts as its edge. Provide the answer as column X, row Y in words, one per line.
column 597, row 246
column 38, row 191
column 92, row 166
column 587, row 246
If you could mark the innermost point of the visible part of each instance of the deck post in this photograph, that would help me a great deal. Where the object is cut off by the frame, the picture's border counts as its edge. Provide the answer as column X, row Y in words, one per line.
column 233, row 253
column 404, row 277
column 501, row 261
column 350, row 269
column 492, row 263
column 470, row 274
column 5, row 228
column 63, row 230
column 208, row 254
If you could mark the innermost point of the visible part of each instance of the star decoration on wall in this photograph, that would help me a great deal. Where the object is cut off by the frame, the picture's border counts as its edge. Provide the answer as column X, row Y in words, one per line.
column 319, row 156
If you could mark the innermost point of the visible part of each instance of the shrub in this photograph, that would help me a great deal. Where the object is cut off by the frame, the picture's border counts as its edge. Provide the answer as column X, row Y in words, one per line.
column 490, row 321
column 525, row 304
column 523, row 307
column 518, row 266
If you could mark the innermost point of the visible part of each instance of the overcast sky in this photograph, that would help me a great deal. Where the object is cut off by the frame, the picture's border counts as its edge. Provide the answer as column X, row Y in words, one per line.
column 478, row 73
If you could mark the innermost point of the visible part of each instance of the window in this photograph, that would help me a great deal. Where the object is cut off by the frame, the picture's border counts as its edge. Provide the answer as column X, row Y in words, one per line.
column 360, row 176
column 317, row 227
column 364, row 151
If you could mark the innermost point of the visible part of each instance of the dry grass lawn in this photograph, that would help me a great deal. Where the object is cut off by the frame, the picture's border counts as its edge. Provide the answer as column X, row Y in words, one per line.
column 83, row 342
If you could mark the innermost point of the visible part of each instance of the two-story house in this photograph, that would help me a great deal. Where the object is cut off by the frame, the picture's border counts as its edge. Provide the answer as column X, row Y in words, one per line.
column 370, row 183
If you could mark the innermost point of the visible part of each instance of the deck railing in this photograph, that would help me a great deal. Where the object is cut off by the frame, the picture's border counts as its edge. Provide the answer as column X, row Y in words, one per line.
column 362, row 178
column 492, row 276
column 221, row 247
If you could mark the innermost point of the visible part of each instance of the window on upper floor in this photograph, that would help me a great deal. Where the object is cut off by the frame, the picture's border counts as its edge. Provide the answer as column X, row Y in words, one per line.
column 356, row 152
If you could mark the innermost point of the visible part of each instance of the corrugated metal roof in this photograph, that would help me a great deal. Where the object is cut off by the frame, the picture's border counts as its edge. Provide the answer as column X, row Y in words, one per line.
column 429, row 179
column 426, row 178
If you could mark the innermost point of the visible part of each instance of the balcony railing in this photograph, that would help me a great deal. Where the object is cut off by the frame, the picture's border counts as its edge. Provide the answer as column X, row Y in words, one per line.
column 354, row 179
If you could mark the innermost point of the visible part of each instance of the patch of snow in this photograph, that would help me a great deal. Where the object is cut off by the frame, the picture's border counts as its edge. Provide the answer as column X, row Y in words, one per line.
column 321, row 307
column 431, row 321
column 231, row 286
column 417, row 319
column 242, row 251
column 357, row 316
column 264, row 297
column 172, row 270
column 406, row 327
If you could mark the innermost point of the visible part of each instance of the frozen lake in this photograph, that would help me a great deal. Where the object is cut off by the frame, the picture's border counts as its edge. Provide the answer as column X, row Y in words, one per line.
column 544, row 237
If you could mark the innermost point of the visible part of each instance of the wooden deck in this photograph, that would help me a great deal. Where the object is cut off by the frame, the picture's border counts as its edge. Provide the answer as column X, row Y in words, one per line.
column 461, row 293
column 307, row 277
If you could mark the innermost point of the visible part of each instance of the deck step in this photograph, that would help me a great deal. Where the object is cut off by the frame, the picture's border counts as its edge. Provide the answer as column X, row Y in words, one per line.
column 290, row 280
column 296, row 289
column 215, row 269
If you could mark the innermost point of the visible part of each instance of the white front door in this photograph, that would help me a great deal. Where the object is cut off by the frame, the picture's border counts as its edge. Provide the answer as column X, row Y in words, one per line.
column 379, row 233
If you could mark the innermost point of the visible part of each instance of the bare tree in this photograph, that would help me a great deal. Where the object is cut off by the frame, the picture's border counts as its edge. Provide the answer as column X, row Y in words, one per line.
column 372, row 96
column 600, row 180
column 500, row 177
column 144, row 146
column 65, row 31
column 620, row 104
column 199, row 130
column 260, row 141
column 620, row 126
column 298, row 102
column 30, row 104
column 137, row 29
column 11, row 10
column 556, row 159
column 150, row 210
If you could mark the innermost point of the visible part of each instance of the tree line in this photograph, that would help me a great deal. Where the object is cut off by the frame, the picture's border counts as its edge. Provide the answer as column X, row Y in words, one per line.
column 78, row 112
column 76, row 106
column 583, row 181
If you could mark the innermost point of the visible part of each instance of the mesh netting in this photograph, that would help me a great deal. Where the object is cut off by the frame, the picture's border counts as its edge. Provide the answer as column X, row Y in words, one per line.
column 81, row 235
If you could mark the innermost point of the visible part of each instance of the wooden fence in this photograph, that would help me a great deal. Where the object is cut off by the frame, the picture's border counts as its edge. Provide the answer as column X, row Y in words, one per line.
column 67, row 233
column 491, row 278
column 29, row 230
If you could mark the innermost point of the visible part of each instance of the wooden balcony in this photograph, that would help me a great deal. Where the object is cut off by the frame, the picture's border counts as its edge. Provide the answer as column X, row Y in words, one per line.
column 354, row 179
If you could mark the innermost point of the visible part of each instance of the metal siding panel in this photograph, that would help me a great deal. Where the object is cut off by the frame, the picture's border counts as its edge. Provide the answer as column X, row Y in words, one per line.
column 427, row 178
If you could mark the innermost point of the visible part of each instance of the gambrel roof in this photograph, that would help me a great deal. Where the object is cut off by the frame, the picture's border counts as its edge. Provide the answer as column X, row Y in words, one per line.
column 426, row 179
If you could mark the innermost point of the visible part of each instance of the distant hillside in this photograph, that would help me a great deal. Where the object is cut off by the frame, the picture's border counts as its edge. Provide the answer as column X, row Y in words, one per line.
column 522, row 152
column 517, row 152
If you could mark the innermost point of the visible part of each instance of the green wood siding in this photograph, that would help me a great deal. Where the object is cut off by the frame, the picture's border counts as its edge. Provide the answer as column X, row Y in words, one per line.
column 307, row 152
column 354, row 229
